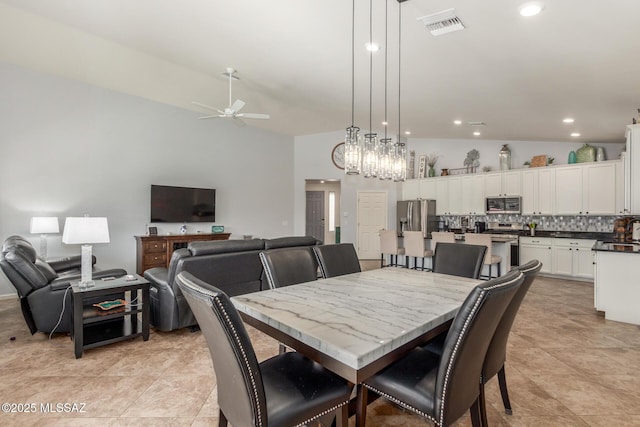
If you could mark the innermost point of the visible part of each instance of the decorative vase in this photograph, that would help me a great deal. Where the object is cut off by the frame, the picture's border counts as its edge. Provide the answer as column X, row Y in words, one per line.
column 432, row 171
column 505, row 158
column 445, row 172
column 533, row 231
column 572, row 157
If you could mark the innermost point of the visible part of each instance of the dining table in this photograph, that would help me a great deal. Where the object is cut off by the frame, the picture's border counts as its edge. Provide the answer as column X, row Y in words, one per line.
column 359, row 323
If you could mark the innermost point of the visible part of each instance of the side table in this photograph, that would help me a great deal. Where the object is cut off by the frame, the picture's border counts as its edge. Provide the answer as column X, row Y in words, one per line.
column 92, row 327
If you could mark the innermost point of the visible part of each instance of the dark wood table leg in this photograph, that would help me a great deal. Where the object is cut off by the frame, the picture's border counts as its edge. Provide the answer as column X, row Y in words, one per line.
column 78, row 332
column 146, row 310
column 361, row 405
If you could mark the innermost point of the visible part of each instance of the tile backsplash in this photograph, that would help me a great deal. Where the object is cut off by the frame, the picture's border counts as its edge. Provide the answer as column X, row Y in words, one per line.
column 602, row 224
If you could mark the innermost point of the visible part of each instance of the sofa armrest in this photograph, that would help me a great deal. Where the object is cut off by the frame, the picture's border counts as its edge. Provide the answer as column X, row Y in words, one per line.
column 68, row 263
column 158, row 276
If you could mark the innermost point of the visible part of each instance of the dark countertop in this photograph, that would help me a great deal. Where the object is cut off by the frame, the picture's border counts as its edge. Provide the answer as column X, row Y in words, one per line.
column 592, row 235
column 628, row 248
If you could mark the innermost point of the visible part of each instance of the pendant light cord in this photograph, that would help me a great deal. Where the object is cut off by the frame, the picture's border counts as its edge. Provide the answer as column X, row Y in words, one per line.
column 399, row 67
column 353, row 60
column 370, row 65
column 386, row 50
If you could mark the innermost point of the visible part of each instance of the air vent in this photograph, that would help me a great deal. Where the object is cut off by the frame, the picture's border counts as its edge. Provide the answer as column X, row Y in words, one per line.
column 476, row 123
column 442, row 22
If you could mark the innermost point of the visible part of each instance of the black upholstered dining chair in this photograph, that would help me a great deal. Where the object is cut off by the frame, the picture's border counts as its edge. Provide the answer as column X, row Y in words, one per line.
column 497, row 351
column 285, row 390
column 337, row 260
column 443, row 387
column 289, row 266
column 459, row 259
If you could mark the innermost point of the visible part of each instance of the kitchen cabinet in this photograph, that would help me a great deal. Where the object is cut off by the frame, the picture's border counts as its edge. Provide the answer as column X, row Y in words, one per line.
column 500, row 184
column 411, row 189
column 473, row 195
column 537, row 248
column 599, row 188
column 573, row 257
column 442, row 196
column 587, row 189
column 455, row 195
column 538, row 191
column 632, row 171
column 428, row 189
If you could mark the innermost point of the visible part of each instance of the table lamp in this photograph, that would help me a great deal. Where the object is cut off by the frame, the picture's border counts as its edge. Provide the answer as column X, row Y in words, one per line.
column 85, row 230
column 44, row 225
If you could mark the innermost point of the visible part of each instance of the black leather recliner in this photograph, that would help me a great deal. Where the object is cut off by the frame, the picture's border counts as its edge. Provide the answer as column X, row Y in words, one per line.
column 41, row 285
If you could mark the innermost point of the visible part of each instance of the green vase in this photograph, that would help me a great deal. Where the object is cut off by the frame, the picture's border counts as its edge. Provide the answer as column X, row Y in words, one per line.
column 572, row 157
column 432, row 171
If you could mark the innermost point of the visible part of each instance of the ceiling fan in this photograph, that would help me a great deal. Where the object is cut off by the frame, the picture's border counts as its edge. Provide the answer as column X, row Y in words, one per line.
column 233, row 110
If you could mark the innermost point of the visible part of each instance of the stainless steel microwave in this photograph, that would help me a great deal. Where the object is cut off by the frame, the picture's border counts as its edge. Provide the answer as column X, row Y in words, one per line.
column 503, row 205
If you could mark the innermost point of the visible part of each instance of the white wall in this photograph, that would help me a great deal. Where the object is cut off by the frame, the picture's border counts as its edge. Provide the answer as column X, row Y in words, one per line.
column 69, row 148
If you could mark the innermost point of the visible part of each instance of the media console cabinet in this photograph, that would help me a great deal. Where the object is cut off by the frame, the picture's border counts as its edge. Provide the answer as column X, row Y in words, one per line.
column 156, row 251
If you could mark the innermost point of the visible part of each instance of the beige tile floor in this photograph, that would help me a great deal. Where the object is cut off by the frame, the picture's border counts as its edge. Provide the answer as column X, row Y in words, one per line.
column 567, row 366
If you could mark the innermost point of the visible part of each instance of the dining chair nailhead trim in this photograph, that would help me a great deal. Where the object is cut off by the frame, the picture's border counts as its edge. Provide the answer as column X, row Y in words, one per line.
column 323, row 413
column 245, row 359
column 401, row 403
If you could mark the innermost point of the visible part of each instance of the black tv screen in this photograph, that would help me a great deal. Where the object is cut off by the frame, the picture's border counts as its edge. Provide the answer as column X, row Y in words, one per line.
column 182, row 204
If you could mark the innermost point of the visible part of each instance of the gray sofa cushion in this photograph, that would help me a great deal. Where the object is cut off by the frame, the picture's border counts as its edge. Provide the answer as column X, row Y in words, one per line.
column 225, row 246
column 287, row 242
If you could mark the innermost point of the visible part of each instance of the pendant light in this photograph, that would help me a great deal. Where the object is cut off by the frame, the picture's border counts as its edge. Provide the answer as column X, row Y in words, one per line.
column 400, row 155
column 353, row 142
column 370, row 158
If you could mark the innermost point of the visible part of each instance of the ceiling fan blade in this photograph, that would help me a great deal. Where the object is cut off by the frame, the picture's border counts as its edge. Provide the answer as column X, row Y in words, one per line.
column 254, row 116
column 211, row 117
column 239, row 121
column 237, row 105
column 208, row 107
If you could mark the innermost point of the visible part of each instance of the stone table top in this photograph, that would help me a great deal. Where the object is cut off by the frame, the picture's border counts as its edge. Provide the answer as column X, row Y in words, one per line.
column 358, row 318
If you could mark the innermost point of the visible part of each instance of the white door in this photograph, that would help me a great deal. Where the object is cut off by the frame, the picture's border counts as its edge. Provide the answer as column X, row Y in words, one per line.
column 372, row 217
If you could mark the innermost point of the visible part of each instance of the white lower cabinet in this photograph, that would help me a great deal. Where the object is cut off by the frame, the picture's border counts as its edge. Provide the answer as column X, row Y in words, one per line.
column 537, row 248
column 565, row 257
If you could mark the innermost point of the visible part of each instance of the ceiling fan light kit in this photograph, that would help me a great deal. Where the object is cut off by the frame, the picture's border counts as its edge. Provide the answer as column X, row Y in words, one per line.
column 233, row 110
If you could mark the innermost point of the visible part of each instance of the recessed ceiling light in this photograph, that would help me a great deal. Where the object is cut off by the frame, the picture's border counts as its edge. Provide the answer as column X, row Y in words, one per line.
column 575, row 134
column 372, row 47
column 407, row 132
column 531, row 8
column 568, row 120
column 457, row 122
column 476, row 133
column 385, row 123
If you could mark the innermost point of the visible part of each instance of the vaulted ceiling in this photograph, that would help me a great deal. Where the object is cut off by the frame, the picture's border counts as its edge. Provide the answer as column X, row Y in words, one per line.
column 520, row 76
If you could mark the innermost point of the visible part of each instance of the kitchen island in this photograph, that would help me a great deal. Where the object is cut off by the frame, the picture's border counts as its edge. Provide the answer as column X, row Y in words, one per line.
column 617, row 284
column 500, row 245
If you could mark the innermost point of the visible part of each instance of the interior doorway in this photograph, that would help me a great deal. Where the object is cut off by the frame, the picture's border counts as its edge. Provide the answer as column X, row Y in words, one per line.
column 322, row 210
column 372, row 217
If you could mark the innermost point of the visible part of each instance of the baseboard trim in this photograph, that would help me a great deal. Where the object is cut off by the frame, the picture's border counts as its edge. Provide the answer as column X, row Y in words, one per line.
column 8, row 297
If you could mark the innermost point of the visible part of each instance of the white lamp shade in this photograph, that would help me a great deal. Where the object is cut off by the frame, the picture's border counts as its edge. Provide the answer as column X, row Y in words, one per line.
column 85, row 230
column 44, row 225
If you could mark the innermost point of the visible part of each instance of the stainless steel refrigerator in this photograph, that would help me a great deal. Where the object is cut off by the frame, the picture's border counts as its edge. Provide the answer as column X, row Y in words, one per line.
column 417, row 215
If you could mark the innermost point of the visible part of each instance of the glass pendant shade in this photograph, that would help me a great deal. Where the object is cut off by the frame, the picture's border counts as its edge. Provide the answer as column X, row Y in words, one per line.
column 386, row 155
column 352, row 151
column 370, row 159
column 400, row 163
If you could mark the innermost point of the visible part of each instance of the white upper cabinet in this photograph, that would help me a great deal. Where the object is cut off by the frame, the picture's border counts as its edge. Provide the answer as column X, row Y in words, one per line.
column 599, row 188
column 428, row 189
column 500, row 184
column 473, row 195
column 442, row 196
column 632, row 171
column 455, row 195
column 588, row 189
column 410, row 189
column 538, row 191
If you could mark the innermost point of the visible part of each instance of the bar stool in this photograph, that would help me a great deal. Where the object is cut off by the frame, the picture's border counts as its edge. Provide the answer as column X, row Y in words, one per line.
column 484, row 240
column 389, row 245
column 414, row 247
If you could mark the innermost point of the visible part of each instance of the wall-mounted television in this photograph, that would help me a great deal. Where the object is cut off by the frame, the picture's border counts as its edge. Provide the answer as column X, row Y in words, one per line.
column 182, row 204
